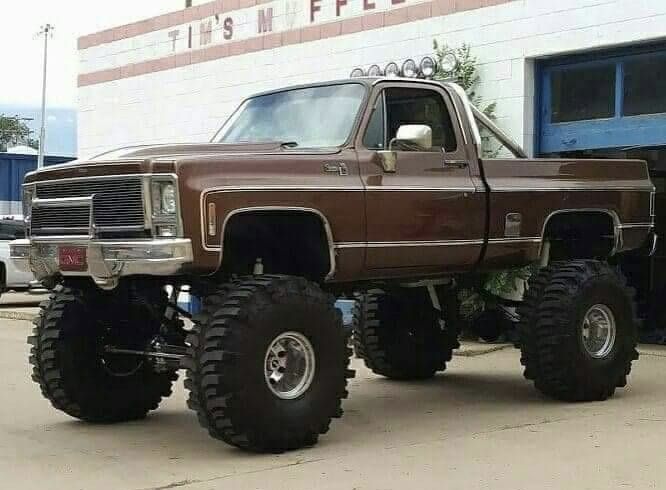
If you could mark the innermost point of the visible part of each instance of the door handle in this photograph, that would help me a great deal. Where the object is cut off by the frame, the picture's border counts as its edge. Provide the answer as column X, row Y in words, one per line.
column 456, row 163
column 336, row 168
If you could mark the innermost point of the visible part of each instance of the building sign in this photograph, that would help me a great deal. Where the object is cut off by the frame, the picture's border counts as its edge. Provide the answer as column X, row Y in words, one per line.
column 222, row 28
column 271, row 17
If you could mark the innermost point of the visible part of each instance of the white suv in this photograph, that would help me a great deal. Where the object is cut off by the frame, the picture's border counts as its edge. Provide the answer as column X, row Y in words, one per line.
column 10, row 276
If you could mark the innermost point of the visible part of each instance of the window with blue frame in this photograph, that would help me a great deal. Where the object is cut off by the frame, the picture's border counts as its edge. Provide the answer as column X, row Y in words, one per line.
column 582, row 93
column 602, row 101
column 644, row 90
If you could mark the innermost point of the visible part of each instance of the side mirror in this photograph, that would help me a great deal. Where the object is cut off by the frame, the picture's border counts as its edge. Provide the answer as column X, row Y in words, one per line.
column 416, row 134
column 419, row 135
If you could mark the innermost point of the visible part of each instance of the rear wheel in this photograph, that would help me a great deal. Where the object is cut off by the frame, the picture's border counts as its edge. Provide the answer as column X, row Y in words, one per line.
column 578, row 331
column 401, row 336
column 267, row 363
column 72, row 367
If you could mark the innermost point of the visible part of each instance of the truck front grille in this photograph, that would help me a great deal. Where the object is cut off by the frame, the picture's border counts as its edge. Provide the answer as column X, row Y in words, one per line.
column 117, row 208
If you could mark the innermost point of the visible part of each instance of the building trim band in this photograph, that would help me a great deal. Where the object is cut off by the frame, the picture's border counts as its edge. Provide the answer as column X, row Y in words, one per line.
column 267, row 40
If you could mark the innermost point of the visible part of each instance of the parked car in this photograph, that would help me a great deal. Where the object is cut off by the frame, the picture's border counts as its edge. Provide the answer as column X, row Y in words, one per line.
column 12, row 277
column 374, row 186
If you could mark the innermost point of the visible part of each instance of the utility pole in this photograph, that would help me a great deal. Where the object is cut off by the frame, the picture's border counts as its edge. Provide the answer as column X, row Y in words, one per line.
column 46, row 31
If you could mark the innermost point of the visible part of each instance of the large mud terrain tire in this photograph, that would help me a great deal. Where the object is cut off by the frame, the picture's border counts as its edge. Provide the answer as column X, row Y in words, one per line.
column 267, row 363
column 578, row 330
column 74, row 373
column 400, row 335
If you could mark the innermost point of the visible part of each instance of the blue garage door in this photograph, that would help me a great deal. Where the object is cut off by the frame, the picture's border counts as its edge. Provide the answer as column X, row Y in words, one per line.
column 602, row 100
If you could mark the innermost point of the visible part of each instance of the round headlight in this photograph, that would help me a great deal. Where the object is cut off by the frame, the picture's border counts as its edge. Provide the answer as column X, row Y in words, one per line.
column 409, row 69
column 374, row 71
column 392, row 70
column 449, row 62
column 357, row 72
column 168, row 199
column 428, row 67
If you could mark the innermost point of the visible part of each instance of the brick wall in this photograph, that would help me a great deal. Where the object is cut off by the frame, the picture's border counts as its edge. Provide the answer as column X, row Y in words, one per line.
column 143, row 84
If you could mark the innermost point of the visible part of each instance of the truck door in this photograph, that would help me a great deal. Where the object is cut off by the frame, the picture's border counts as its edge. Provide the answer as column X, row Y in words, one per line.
column 428, row 215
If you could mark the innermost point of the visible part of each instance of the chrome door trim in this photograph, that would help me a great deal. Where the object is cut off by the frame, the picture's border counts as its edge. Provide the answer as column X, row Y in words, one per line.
column 560, row 189
column 636, row 225
column 435, row 243
column 394, row 188
column 535, row 239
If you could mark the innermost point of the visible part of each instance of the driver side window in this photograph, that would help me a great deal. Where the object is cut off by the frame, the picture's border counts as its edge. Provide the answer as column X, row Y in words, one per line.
column 404, row 106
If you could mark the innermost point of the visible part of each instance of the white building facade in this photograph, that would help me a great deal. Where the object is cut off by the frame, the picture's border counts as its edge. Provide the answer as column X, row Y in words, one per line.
column 178, row 76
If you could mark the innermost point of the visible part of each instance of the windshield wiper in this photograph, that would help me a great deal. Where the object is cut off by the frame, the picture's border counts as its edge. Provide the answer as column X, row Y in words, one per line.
column 289, row 144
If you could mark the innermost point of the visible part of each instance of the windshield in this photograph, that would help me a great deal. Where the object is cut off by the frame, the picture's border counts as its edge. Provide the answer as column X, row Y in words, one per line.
column 312, row 117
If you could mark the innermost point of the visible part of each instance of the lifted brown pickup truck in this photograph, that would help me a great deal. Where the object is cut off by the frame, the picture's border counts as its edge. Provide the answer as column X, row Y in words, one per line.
column 370, row 186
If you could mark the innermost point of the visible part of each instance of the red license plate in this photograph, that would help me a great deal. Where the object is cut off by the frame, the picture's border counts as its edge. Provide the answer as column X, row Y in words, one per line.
column 72, row 258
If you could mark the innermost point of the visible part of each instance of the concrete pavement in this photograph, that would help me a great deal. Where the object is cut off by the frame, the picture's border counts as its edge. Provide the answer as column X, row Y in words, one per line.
column 21, row 306
column 478, row 426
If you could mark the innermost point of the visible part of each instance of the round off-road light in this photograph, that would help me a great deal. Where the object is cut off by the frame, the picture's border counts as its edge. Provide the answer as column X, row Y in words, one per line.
column 392, row 70
column 449, row 62
column 427, row 67
column 357, row 72
column 409, row 69
column 375, row 71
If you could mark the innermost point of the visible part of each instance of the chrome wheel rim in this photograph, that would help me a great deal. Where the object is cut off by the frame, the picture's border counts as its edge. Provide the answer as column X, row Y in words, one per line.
column 599, row 331
column 289, row 365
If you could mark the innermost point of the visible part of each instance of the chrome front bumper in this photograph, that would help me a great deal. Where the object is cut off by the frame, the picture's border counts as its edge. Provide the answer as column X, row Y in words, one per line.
column 107, row 260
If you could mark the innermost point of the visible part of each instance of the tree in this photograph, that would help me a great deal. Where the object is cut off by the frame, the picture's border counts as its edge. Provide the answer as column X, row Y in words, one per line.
column 14, row 131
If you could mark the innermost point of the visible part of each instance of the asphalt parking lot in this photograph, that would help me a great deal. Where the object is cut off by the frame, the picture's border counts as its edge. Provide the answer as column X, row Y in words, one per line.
column 478, row 426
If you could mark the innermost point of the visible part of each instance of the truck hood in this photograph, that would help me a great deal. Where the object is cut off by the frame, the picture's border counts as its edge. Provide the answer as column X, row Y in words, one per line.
column 186, row 149
column 162, row 158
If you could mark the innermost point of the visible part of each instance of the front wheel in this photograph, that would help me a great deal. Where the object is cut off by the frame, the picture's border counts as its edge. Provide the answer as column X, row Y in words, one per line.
column 578, row 330
column 267, row 363
column 72, row 368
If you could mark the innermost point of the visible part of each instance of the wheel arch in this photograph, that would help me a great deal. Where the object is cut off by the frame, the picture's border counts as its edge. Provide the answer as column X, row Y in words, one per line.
column 613, row 224
column 274, row 211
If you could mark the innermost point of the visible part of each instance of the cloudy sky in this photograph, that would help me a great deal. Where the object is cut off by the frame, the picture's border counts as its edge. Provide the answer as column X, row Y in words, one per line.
column 21, row 50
